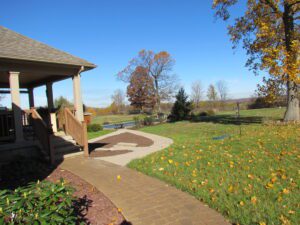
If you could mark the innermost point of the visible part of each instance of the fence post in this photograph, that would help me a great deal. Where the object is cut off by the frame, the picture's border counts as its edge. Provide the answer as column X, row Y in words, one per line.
column 85, row 140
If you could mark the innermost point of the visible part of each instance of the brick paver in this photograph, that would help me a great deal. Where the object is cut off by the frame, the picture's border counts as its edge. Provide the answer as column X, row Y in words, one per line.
column 143, row 200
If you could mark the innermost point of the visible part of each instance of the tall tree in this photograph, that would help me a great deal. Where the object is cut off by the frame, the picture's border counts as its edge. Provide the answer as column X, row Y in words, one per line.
column 182, row 107
column 159, row 67
column 212, row 94
column 197, row 93
column 62, row 102
column 222, row 89
column 140, row 91
column 118, row 99
column 272, row 90
column 270, row 32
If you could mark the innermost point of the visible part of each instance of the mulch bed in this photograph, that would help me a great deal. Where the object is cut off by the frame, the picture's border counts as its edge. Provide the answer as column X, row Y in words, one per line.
column 126, row 137
column 105, row 153
column 101, row 210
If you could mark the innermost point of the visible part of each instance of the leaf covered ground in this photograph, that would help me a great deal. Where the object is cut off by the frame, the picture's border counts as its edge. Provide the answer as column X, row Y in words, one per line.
column 252, row 178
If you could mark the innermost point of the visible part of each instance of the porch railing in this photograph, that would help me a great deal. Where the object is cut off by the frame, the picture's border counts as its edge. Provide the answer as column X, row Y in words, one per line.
column 76, row 129
column 43, row 134
column 7, row 126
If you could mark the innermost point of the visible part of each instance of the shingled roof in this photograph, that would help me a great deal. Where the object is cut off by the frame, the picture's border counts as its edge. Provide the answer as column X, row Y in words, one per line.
column 17, row 46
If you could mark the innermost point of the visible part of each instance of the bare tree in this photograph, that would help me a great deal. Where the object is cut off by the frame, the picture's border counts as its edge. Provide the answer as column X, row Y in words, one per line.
column 222, row 89
column 159, row 67
column 197, row 93
column 118, row 99
column 212, row 94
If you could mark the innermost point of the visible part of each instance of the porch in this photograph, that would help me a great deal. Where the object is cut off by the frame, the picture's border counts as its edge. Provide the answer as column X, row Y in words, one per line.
column 26, row 64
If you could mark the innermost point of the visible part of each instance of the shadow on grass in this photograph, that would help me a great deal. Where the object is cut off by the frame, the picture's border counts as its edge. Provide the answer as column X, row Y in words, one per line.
column 229, row 119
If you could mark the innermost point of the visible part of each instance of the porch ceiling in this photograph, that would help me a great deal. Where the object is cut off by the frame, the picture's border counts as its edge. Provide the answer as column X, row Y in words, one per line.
column 34, row 74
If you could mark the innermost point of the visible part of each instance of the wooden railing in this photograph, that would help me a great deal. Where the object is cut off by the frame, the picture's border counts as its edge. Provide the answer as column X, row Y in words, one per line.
column 43, row 133
column 7, row 126
column 76, row 129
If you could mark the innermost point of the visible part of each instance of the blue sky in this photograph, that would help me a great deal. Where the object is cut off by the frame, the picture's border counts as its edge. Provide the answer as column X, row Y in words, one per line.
column 110, row 33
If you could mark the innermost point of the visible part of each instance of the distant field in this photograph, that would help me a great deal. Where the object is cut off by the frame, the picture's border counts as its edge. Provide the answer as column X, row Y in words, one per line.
column 114, row 118
column 252, row 178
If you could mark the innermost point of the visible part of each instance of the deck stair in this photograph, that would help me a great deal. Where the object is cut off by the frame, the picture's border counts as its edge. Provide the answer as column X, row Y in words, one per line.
column 65, row 146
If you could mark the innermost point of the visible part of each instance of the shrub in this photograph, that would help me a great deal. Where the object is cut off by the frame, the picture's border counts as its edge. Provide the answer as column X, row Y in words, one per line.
column 161, row 117
column 94, row 127
column 134, row 111
column 137, row 121
column 38, row 203
column 203, row 114
column 210, row 112
column 148, row 121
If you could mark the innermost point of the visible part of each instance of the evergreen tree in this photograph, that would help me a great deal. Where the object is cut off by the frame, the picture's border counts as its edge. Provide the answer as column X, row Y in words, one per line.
column 182, row 107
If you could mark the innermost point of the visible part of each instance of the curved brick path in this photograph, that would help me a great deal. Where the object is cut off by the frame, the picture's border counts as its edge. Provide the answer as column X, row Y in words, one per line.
column 143, row 200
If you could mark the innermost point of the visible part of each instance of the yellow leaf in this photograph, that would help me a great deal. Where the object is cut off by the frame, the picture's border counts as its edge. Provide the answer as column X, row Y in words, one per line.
column 170, row 161
column 230, row 189
column 269, row 185
column 285, row 191
column 250, row 176
column 253, row 199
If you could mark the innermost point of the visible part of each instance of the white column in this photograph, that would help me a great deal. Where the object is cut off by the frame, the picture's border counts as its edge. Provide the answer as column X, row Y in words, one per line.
column 16, row 104
column 77, row 97
column 31, row 97
column 49, row 93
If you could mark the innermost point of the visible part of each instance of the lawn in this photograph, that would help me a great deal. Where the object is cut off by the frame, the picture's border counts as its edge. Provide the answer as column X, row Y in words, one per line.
column 250, row 179
column 115, row 118
column 92, row 135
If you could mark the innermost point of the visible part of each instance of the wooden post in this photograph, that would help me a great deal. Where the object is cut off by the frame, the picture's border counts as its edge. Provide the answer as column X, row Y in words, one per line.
column 31, row 97
column 85, row 140
column 51, row 150
column 66, row 121
column 49, row 93
column 77, row 97
column 16, row 104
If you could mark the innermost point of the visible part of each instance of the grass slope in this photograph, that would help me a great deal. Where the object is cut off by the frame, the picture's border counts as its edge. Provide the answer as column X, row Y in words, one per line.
column 92, row 135
column 250, row 179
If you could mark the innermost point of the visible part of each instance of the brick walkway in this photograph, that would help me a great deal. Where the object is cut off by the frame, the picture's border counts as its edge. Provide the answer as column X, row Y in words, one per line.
column 143, row 200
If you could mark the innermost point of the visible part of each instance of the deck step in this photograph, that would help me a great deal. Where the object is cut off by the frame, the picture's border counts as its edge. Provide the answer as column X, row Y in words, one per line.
column 67, row 149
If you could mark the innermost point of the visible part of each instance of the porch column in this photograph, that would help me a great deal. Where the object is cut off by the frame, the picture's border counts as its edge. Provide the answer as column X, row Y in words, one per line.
column 49, row 93
column 77, row 97
column 31, row 97
column 16, row 104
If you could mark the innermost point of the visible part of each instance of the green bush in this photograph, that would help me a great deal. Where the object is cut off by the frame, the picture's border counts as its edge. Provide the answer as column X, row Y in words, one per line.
column 94, row 127
column 210, row 112
column 148, row 121
column 38, row 203
column 137, row 121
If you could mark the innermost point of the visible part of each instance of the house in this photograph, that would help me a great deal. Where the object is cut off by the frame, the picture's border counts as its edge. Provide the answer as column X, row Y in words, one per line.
column 24, row 65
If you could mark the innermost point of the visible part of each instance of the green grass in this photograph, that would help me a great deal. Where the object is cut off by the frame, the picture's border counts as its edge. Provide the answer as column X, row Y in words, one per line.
column 92, row 135
column 115, row 118
column 250, row 179
column 270, row 113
